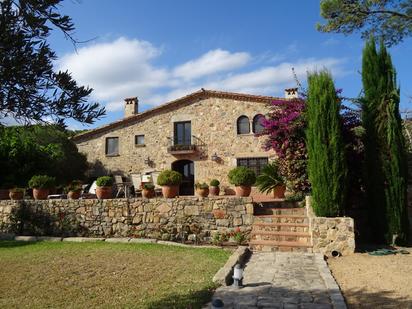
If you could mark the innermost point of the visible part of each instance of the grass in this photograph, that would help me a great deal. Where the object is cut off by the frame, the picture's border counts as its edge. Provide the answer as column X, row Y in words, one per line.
column 81, row 275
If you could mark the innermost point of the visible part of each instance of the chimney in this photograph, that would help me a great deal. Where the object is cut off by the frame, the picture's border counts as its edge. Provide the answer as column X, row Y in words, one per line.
column 291, row 93
column 131, row 107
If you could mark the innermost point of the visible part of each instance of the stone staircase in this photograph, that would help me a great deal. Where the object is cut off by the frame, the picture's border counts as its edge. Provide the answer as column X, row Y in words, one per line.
column 280, row 226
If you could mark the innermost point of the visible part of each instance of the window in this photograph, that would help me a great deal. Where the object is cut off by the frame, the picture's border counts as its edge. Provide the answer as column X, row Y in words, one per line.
column 257, row 124
column 139, row 140
column 255, row 164
column 243, row 126
column 182, row 133
column 112, row 146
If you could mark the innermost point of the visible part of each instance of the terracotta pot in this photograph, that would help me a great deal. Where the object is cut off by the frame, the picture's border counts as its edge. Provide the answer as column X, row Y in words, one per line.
column 202, row 192
column 74, row 195
column 4, row 194
column 170, row 191
column 214, row 191
column 104, row 193
column 148, row 193
column 279, row 191
column 243, row 191
column 40, row 194
column 16, row 195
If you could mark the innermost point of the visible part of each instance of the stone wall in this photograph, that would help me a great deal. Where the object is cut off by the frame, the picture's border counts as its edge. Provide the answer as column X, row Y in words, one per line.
column 159, row 218
column 213, row 125
column 331, row 234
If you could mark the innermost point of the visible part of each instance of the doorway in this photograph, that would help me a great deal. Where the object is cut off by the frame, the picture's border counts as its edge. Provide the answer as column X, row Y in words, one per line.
column 187, row 169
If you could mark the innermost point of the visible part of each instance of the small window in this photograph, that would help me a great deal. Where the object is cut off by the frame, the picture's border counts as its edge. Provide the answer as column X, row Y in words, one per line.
column 139, row 140
column 243, row 126
column 255, row 164
column 257, row 124
column 112, row 146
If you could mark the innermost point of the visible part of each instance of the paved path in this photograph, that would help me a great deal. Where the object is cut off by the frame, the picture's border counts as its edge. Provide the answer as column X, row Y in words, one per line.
column 284, row 280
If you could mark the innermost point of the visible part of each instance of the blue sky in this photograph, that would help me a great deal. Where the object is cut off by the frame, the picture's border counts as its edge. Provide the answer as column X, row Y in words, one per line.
column 161, row 50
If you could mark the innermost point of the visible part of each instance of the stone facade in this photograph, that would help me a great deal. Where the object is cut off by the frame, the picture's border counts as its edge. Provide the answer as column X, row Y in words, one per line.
column 166, row 219
column 213, row 127
column 331, row 235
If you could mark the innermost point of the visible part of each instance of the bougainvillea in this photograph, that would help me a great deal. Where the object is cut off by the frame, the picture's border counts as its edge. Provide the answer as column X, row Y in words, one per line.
column 284, row 127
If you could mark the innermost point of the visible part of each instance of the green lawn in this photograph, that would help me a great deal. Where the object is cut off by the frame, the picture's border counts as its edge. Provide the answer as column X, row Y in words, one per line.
column 87, row 275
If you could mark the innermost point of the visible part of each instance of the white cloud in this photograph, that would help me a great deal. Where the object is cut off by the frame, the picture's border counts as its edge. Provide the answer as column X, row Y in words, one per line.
column 212, row 62
column 125, row 67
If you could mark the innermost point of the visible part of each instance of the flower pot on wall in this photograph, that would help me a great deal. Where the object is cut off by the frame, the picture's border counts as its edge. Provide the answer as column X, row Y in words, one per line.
column 202, row 192
column 4, row 194
column 214, row 191
column 16, row 195
column 104, row 193
column 170, row 191
column 73, row 195
column 148, row 193
column 243, row 191
column 279, row 191
column 40, row 193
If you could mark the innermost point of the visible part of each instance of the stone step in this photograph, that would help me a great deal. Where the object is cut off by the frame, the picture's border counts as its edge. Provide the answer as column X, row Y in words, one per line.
column 278, row 204
column 284, row 246
column 280, row 233
column 289, row 238
column 281, row 218
column 277, row 227
column 279, row 211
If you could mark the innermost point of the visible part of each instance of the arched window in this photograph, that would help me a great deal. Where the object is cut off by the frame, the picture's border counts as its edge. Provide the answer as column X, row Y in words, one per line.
column 257, row 124
column 243, row 126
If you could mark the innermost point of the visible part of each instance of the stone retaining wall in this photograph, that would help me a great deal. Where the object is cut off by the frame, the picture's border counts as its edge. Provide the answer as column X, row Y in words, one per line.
column 159, row 218
column 331, row 234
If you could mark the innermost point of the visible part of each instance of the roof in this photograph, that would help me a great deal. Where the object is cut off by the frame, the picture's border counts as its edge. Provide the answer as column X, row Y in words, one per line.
column 201, row 94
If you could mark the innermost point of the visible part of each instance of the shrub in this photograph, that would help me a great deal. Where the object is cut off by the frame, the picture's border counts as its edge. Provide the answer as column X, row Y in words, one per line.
column 74, row 186
column 215, row 183
column 169, row 178
column 297, row 197
column 202, row 185
column 242, row 176
column 148, row 186
column 42, row 182
column 104, row 181
column 270, row 178
column 17, row 190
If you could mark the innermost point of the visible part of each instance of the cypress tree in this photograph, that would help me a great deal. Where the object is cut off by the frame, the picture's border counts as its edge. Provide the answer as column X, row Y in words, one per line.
column 327, row 168
column 385, row 153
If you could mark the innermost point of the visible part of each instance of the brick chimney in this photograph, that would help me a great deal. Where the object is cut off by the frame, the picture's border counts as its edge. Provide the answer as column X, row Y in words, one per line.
column 131, row 107
column 291, row 93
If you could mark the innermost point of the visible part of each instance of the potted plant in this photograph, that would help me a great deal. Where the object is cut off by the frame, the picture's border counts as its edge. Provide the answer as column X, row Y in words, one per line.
column 214, row 187
column 170, row 181
column 41, row 185
column 271, row 181
column 148, row 190
column 74, row 190
column 5, row 185
column 202, row 189
column 16, row 193
column 104, row 188
column 243, row 179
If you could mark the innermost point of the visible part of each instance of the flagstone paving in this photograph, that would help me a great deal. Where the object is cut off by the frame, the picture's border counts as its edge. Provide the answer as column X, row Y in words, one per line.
column 284, row 280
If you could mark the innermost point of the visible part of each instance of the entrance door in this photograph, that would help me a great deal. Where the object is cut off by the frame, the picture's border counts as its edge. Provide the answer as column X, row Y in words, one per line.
column 187, row 169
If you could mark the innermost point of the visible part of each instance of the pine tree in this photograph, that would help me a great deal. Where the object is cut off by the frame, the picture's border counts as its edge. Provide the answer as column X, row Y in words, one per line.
column 385, row 155
column 327, row 166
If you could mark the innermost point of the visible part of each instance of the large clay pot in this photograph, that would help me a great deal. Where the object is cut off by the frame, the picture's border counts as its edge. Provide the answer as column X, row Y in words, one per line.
column 214, row 191
column 243, row 191
column 16, row 195
column 202, row 192
column 148, row 193
column 170, row 191
column 104, row 193
column 40, row 194
column 74, row 195
column 279, row 191
column 4, row 194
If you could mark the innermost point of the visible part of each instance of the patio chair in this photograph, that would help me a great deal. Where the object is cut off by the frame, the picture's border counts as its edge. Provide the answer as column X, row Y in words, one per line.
column 91, row 193
column 137, row 183
column 158, row 189
column 121, row 186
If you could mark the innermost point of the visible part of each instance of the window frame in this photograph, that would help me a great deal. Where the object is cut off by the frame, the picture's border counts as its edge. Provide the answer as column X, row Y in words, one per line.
column 136, row 138
column 256, row 168
column 238, row 127
column 255, row 122
column 186, row 140
column 106, row 146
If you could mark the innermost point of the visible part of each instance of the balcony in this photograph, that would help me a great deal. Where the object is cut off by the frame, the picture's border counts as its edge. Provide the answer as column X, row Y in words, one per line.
column 183, row 147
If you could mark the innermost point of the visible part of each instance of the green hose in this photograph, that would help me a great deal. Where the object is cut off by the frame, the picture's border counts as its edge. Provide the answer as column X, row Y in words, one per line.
column 387, row 252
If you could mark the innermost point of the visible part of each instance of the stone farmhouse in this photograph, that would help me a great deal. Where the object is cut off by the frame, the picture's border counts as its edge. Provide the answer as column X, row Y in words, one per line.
column 202, row 135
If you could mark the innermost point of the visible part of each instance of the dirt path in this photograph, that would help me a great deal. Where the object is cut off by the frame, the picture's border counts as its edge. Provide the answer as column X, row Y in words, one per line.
column 374, row 281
